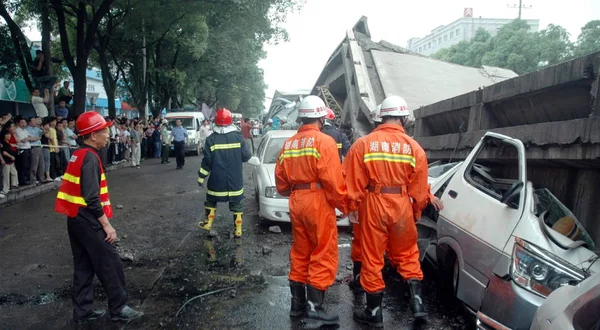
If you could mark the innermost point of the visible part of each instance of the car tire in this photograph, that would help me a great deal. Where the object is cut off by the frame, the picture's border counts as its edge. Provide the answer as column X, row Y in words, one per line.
column 449, row 270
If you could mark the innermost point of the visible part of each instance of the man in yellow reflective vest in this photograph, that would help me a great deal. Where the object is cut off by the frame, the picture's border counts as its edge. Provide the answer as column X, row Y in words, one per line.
column 83, row 198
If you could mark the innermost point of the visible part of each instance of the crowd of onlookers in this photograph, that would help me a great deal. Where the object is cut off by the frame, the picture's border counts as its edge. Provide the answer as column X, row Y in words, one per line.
column 37, row 150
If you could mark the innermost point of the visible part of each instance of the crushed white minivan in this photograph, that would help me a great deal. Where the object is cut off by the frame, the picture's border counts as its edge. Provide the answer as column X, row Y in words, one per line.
column 502, row 245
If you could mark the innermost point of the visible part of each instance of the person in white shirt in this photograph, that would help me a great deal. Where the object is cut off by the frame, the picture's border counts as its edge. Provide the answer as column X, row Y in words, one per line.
column 37, row 164
column 24, row 153
column 205, row 131
column 70, row 138
column 39, row 103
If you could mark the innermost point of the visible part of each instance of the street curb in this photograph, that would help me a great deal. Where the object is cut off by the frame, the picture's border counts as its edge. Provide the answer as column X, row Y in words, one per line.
column 33, row 191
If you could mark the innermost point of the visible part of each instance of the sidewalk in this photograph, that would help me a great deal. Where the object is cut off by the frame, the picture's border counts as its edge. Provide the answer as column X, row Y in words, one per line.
column 23, row 193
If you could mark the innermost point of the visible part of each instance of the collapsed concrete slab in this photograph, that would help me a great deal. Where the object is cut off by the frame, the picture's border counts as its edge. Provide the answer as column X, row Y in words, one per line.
column 361, row 73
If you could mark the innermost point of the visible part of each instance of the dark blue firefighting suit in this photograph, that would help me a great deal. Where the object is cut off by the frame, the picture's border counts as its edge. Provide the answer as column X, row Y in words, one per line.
column 223, row 158
column 343, row 144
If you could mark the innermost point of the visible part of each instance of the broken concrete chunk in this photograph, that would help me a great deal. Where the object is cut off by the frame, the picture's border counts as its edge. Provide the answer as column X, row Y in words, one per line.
column 275, row 229
column 266, row 250
column 127, row 256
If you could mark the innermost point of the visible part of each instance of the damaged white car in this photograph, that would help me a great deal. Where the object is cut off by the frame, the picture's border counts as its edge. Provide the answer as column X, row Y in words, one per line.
column 271, row 205
column 501, row 245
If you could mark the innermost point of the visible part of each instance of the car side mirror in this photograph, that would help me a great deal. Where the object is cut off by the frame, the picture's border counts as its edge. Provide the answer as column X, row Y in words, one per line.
column 512, row 194
column 254, row 161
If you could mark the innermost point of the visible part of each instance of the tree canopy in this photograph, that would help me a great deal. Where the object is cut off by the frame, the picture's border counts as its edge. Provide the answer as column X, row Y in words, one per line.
column 516, row 48
column 162, row 53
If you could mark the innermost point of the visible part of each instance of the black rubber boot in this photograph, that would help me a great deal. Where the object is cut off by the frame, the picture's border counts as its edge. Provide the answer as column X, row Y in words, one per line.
column 298, row 299
column 416, row 300
column 372, row 315
column 355, row 282
column 315, row 310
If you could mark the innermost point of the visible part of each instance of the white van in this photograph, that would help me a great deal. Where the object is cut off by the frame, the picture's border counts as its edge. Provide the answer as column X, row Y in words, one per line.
column 191, row 120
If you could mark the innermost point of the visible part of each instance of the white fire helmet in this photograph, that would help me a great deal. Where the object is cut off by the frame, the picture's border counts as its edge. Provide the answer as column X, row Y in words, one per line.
column 394, row 106
column 312, row 107
column 376, row 114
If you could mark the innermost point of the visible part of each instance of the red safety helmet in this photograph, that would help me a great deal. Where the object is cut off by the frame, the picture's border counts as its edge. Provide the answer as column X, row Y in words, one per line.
column 330, row 114
column 223, row 117
column 90, row 122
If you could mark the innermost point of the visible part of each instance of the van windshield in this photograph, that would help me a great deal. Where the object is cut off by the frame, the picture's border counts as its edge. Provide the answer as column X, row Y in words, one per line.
column 188, row 123
column 560, row 218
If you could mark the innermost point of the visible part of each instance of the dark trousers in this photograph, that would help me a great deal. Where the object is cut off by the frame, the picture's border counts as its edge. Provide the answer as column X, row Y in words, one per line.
column 144, row 150
column 150, row 146
column 166, row 149
column 112, row 157
column 180, row 153
column 55, row 165
column 233, row 206
column 23, row 165
column 104, row 156
column 94, row 256
column 63, row 160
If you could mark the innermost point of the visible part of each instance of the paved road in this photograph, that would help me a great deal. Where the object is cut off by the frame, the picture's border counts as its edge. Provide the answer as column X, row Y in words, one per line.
column 172, row 264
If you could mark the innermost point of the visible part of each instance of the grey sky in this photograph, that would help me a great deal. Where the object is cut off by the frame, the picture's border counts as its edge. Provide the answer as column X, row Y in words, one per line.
column 318, row 29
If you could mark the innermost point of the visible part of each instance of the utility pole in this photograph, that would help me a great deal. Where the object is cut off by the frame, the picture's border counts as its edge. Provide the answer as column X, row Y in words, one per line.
column 520, row 6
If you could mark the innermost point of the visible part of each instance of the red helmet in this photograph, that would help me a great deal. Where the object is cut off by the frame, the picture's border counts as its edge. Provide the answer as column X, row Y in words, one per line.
column 90, row 122
column 223, row 117
column 330, row 114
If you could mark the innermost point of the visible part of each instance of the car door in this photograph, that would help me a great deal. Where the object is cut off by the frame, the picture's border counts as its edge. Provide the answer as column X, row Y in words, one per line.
column 259, row 154
column 475, row 219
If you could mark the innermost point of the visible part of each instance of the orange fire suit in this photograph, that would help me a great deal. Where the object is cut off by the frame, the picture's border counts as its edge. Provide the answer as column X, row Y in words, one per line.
column 384, row 170
column 309, row 171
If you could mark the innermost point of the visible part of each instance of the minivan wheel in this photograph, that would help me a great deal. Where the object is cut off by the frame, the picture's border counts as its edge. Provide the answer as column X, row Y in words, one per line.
column 449, row 271
column 455, row 277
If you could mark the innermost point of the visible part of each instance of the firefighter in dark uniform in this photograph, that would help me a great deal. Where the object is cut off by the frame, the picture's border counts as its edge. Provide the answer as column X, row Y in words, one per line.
column 224, row 153
column 83, row 198
column 343, row 144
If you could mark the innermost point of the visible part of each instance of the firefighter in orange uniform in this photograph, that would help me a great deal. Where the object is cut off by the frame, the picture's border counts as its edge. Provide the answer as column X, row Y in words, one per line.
column 356, row 252
column 385, row 170
column 83, row 198
column 310, row 172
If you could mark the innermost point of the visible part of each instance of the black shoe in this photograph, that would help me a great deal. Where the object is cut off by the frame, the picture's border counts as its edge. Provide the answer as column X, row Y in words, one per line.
column 127, row 314
column 372, row 315
column 91, row 317
column 315, row 310
column 298, row 299
column 162, row 162
column 168, row 162
column 416, row 302
column 355, row 282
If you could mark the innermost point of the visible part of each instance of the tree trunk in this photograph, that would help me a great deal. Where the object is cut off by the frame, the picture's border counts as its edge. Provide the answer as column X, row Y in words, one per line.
column 84, row 41
column 20, row 44
column 110, row 94
column 107, row 80
column 79, row 89
column 46, row 28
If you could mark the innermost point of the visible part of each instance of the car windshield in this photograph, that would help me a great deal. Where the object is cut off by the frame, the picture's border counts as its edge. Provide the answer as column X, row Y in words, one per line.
column 439, row 169
column 560, row 218
column 188, row 123
column 272, row 150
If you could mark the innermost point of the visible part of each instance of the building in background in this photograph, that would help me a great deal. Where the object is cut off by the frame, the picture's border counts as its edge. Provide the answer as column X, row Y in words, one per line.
column 463, row 29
